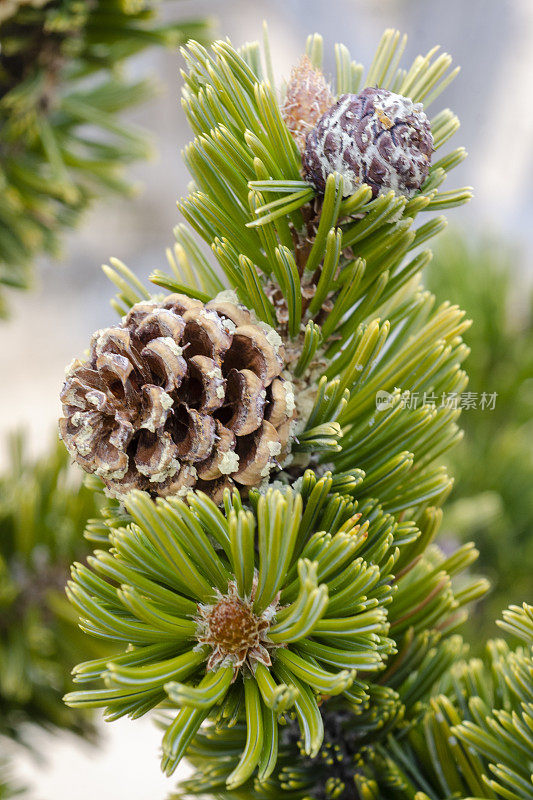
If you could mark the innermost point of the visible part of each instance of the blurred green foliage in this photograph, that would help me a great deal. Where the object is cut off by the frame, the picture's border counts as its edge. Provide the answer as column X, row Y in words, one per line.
column 62, row 92
column 492, row 501
column 8, row 788
column 43, row 511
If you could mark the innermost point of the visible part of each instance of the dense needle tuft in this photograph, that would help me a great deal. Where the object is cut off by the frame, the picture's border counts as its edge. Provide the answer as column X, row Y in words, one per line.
column 209, row 622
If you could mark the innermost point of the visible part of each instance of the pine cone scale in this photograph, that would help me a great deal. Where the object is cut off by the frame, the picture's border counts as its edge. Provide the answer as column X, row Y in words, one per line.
column 206, row 382
column 205, row 335
column 251, row 346
column 278, row 410
column 112, row 366
column 255, row 453
column 245, row 400
column 223, row 459
column 122, row 433
column 199, row 430
column 165, row 359
column 156, row 456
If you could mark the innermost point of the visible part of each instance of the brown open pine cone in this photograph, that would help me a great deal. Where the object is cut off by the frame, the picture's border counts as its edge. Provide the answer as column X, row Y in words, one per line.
column 180, row 395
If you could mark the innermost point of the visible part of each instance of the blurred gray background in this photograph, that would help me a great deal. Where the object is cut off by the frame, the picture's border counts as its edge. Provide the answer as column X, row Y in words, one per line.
column 493, row 42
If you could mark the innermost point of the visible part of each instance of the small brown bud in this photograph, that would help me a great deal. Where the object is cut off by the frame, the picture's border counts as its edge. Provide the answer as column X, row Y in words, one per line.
column 308, row 97
column 235, row 633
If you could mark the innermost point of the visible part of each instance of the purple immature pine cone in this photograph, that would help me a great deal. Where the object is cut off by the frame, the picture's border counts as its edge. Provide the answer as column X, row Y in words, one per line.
column 375, row 137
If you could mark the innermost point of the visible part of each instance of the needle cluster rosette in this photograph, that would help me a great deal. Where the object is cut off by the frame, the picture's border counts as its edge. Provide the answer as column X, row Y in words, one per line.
column 211, row 623
column 376, row 137
column 181, row 394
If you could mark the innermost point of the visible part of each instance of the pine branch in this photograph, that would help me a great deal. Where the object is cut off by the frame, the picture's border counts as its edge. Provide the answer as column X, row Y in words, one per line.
column 175, row 567
column 61, row 96
column 184, row 576
column 42, row 514
column 338, row 269
column 409, row 741
column 234, row 600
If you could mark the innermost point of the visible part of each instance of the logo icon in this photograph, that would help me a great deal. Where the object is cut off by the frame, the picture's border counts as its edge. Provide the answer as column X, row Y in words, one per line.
column 384, row 400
